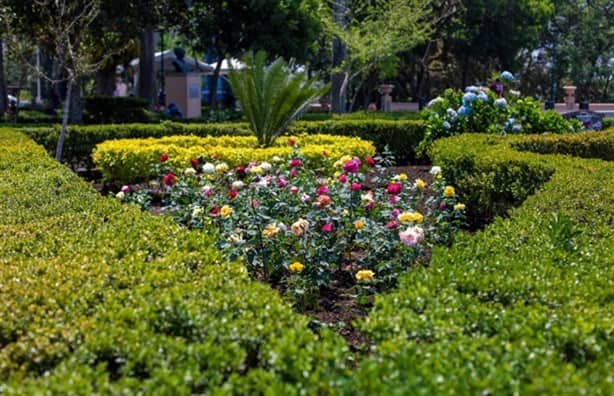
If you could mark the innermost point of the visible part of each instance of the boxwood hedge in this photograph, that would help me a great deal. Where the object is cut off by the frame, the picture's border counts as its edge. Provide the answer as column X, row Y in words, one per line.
column 401, row 137
column 100, row 298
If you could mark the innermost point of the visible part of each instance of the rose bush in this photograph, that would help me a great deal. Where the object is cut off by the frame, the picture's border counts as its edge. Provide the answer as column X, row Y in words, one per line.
column 300, row 229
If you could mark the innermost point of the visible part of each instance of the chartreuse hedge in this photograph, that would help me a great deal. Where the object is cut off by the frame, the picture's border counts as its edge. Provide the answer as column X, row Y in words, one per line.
column 401, row 137
column 524, row 306
column 129, row 160
column 100, row 298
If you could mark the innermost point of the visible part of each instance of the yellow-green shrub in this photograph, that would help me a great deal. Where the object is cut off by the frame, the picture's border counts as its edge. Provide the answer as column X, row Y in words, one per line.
column 127, row 160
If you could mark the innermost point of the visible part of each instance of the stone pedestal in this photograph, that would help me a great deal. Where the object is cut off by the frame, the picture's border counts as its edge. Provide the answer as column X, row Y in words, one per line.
column 570, row 97
column 185, row 91
column 386, row 90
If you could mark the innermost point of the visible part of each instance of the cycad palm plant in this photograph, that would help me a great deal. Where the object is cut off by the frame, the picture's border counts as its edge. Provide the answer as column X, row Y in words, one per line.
column 272, row 96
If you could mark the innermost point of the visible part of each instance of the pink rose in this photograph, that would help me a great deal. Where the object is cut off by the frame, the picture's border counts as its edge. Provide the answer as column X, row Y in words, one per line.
column 391, row 225
column 328, row 227
column 394, row 199
column 411, row 236
column 322, row 190
column 294, row 189
column 125, row 189
column 393, row 188
column 343, row 178
column 281, row 182
column 370, row 161
column 293, row 172
column 352, row 166
column 369, row 205
column 295, row 162
column 356, row 187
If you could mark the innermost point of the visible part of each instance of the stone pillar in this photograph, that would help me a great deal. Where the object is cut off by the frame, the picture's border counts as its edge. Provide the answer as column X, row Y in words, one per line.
column 570, row 97
column 185, row 91
column 386, row 90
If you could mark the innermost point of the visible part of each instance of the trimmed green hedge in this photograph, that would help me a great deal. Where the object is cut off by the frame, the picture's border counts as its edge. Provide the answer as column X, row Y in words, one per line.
column 100, row 298
column 401, row 137
column 585, row 145
column 523, row 307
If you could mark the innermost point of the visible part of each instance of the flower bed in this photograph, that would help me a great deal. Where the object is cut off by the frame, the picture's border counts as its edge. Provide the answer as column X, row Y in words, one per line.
column 303, row 228
column 127, row 160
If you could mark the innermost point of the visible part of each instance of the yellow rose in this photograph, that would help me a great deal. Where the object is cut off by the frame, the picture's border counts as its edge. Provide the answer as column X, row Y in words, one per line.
column 256, row 170
column 420, row 184
column 438, row 177
column 459, row 206
column 448, row 191
column 364, row 275
column 296, row 267
column 270, row 230
column 359, row 224
column 225, row 211
column 223, row 167
column 410, row 217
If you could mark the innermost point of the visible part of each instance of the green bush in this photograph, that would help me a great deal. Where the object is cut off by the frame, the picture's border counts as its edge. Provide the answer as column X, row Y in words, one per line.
column 608, row 122
column 401, row 137
column 28, row 116
column 523, row 307
column 116, row 110
column 98, row 297
column 102, row 299
column 585, row 145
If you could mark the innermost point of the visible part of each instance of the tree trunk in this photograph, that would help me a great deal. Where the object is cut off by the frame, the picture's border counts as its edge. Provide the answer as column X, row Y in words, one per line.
column 213, row 87
column 60, row 145
column 76, row 107
column 105, row 80
column 338, row 90
column 3, row 93
column 146, row 67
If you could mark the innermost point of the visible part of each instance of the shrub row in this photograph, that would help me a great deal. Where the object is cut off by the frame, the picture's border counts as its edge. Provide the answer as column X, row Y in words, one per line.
column 401, row 137
column 523, row 307
column 585, row 145
column 129, row 160
column 100, row 298
column 111, row 109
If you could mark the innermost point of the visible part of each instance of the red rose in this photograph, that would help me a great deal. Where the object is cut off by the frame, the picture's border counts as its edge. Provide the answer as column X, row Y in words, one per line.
column 291, row 142
column 281, row 182
column 163, row 157
column 295, row 162
column 343, row 178
column 195, row 162
column 232, row 194
column 322, row 190
column 240, row 170
column 352, row 166
column 328, row 227
column 356, row 187
column 169, row 179
column 393, row 188
column 370, row 161
column 215, row 210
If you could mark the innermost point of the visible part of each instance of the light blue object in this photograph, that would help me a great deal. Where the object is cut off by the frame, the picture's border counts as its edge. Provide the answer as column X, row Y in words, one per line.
column 446, row 125
column 452, row 114
column 464, row 110
column 500, row 103
column 516, row 128
column 507, row 76
column 469, row 98
column 482, row 97
column 472, row 88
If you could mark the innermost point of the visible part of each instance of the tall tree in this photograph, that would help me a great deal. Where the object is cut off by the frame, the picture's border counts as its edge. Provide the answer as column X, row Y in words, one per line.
column 338, row 99
column 375, row 34
column 285, row 28
column 3, row 91
column 64, row 26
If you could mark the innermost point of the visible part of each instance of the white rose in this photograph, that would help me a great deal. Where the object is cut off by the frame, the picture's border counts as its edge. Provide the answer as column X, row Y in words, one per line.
column 208, row 168
column 435, row 170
